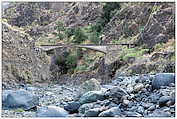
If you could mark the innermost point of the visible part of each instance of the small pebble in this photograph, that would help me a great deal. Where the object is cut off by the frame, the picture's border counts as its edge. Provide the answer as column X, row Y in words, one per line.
column 172, row 85
column 151, row 108
column 138, row 87
column 126, row 102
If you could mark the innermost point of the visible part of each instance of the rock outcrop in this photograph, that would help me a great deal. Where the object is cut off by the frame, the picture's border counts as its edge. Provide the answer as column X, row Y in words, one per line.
column 20, row 99
column 22, row 62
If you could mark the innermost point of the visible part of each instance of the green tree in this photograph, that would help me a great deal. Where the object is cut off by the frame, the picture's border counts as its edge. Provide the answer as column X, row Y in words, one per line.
column 94, row 37
column 79, row 36
column 69, row 32
column 71, row 62
column 109, row 10
column 61, row 30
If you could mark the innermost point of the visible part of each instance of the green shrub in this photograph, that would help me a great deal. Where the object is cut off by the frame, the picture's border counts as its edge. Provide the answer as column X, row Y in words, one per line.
column 87, row 29
column 58, row 60
column 79, row 36
column 126, row 31
column 159, row 46
column 173, row 58
column 79, row 53
column 70, row 32
column 115, row 41
column 94, row 37
column 141, row 28
column 71, row 61
column 60, row 26
column 81, row 68
column 132, row 52
column 109, row 9
column 98, row 26
column 61, row 36
column 60, row 30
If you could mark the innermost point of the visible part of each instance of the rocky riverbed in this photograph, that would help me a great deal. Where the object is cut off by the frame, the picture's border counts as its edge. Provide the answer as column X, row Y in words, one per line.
column 126, row 96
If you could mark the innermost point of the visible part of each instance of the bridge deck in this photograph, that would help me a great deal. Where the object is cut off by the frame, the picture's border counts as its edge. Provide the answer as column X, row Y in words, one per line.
column 104, row 48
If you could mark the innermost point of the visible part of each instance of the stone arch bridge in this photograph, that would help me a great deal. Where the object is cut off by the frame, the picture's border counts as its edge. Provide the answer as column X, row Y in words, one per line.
column 104, row 48
column 110, row 50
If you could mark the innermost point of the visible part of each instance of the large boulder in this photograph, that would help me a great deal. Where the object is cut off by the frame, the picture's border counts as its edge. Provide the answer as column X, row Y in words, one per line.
column 116, row 94
column 4, row 95
column 159, row 113
column 112, row 112
column 92, row 96
column 51, row 111
column 132, row 114
column 163, row 100
column 72, row 107
column 162, row 79
column 90, row 85
column 85, row 107
column 92, row 112
column 20, row 99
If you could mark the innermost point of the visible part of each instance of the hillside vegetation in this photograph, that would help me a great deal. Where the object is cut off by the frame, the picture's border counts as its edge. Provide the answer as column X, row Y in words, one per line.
column 149, row 25
column 108, row 78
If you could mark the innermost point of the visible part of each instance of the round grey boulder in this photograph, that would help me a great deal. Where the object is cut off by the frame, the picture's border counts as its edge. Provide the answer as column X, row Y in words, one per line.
column 89, row 85
column 159, row 113
column 92, row 112
column 91, row 96
column 72, row 107
column 163, row 100
column 4, row 95
column 116, row 94
column 132, row 114
column 51, row 111
column 21, row 99
column 85, row 107
column 162, row 79
column 151, row 108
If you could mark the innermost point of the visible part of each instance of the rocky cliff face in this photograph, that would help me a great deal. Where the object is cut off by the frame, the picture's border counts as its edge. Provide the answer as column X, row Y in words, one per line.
column 152, row 23
column 150, row 26
column 40, row 18
column 26, row 14
column 21, row 63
